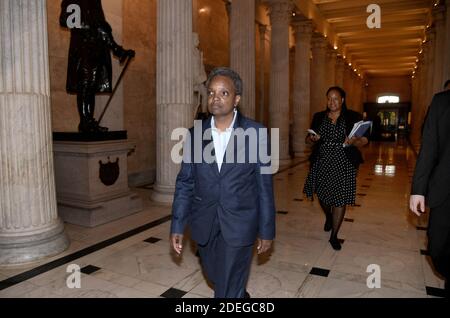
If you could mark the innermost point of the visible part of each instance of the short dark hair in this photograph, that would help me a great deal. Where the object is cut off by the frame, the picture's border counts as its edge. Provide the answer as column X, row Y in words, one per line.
column 227, row 72
column 447, row 83
column 341, row 92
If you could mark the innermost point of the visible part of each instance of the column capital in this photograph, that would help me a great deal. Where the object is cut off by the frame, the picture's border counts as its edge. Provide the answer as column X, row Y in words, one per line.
column 280, row 11
column 331, row 52
column 439, row 13
column 319, row 42
column 340, row 61
column 303, row 27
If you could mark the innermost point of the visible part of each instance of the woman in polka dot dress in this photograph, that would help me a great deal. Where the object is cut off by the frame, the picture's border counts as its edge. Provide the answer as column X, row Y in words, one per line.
column 333, row 169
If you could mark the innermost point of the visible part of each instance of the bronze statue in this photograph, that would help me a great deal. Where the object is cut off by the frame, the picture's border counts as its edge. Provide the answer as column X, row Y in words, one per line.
column 89, row 67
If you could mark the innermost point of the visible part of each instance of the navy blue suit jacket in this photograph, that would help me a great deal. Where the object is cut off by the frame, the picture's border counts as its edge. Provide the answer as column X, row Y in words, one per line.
column 239, row 195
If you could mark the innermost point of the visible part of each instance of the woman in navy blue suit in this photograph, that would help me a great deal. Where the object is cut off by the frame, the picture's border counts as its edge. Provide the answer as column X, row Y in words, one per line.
column 227, row 203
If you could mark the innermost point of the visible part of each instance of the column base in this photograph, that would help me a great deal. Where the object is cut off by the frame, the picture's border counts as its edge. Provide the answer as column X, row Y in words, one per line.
column 18, row 249
column 92, row 214
column 162, row 194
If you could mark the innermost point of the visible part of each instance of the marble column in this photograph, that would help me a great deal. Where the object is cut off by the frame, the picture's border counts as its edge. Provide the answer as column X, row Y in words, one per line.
column 339, row 76
column 243, row 51
column 262, row 28
column 351, row 92
column 173, row 88
column 280, row 14
column 430, row 44
column 438, row 79
column 347, row 81
column 423, row 66
column 302, row 87
column 416, row 106
column 356, row 92
column 318, row 70
column 30, row 228
column 331, row 67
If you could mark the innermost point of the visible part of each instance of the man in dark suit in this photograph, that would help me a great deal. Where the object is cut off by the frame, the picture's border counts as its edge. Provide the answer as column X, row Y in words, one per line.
column 432, row 180
column 223, row 191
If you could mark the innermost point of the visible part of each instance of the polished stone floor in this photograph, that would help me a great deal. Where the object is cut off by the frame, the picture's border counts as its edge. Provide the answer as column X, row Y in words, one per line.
column 131, row 257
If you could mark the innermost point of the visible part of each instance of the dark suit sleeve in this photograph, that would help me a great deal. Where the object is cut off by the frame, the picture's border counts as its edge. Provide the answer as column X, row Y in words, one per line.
column 428, row 154
column 266, row 221
column 184, row 189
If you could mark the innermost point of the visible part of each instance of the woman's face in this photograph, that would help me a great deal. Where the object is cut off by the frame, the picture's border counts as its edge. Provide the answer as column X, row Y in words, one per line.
column 335, row 101
column 222, row 96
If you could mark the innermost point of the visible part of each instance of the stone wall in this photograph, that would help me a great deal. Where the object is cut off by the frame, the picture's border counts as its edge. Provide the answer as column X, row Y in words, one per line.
column 400, row 85
column 139, row 28
column 212, row 28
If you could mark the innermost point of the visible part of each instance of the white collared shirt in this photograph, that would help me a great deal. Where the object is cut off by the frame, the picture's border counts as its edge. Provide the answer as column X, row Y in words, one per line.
column 221, row 139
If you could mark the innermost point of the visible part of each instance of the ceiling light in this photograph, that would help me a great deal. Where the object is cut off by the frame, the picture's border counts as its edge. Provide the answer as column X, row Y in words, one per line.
column 349, row 64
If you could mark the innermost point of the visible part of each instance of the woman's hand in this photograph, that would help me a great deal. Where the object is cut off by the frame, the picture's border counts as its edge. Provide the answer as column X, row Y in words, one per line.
column 356, row 141
column 310, row 139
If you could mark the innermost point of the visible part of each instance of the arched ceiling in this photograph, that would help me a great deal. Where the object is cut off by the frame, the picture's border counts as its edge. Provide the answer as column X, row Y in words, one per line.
column 390, row 50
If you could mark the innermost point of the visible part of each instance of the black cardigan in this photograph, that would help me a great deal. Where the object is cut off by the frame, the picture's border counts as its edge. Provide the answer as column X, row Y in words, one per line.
column 351, row 117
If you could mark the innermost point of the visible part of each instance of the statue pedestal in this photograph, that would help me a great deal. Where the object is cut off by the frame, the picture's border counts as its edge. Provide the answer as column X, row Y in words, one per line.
column 92, row 179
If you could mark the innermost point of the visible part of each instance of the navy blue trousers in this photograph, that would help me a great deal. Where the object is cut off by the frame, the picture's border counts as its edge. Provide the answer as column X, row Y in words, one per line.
column 227, row 267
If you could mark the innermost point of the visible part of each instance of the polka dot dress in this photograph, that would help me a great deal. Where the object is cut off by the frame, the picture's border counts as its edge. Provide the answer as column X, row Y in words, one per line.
column 332, row 176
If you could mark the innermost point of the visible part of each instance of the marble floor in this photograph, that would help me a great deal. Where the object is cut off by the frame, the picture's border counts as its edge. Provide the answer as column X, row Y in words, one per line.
column 131, row 257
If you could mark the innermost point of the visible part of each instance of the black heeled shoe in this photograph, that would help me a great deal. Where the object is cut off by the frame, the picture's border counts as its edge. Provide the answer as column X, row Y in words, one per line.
column 335, row 244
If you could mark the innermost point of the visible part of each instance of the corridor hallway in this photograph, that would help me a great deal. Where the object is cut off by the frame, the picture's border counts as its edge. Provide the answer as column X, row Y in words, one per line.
column 131, row 257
